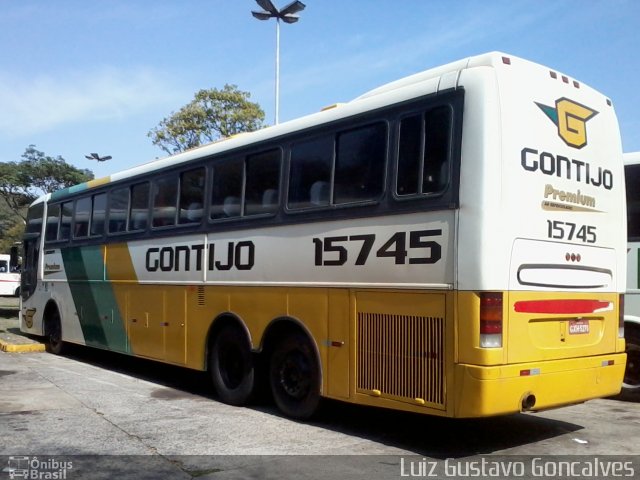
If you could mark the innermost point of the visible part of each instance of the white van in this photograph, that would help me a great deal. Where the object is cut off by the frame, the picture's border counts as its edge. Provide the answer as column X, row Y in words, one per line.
column 9, row 274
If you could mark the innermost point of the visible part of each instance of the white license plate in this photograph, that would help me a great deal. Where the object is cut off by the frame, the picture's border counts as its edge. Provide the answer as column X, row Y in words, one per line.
column 577, row 327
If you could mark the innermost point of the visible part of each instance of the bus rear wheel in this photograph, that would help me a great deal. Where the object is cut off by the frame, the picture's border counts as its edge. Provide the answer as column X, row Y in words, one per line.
column 294, row 376
column 231, row 366
column 53, row 333
column 631, row 382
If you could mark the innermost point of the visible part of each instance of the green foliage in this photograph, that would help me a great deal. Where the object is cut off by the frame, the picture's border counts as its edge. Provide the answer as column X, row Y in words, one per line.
column 36, row 174
column 10, row 235
column 211, row 115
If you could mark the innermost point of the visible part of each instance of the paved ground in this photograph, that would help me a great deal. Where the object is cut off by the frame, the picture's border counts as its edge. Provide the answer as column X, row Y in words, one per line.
column 165, row 422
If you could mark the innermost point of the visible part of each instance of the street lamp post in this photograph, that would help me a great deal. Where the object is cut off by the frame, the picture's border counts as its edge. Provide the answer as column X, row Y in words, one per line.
column 95, row 156
column 287, row 15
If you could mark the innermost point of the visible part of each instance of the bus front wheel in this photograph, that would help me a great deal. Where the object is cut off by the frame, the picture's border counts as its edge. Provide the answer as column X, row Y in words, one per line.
column 631, row 382
column 294, row 376
column 231, row 366
column 53, row 333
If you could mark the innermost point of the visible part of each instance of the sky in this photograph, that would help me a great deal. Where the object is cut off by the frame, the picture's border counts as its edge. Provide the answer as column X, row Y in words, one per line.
column 79, row 76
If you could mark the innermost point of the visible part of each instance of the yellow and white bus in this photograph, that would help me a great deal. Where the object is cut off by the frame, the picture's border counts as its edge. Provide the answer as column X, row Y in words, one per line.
column 444, row 244
column 632, row 298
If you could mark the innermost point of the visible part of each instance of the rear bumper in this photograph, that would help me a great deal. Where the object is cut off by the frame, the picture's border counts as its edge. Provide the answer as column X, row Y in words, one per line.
column 484, row 391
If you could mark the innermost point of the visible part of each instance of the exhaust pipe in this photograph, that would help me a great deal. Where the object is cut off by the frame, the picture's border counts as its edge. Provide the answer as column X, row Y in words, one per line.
column 528, row 402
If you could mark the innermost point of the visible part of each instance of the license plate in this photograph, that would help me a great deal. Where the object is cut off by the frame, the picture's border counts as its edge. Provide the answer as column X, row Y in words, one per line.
column 577, row 327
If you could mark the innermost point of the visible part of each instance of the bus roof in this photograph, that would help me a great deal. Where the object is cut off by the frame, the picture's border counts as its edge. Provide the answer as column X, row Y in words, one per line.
column 631, row 158
column 428, row 81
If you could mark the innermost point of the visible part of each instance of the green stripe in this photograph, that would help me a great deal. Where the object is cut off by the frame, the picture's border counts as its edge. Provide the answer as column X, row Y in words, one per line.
column 95, row 302
column 69, row 190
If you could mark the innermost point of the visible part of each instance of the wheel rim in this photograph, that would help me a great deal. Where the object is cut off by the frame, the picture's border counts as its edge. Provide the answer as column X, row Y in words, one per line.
column 294, row 375
column 232, row 366
column 632, row 372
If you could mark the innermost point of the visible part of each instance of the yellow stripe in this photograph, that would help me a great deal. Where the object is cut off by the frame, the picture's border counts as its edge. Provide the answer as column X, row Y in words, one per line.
column 119, row 264
column 98, row 182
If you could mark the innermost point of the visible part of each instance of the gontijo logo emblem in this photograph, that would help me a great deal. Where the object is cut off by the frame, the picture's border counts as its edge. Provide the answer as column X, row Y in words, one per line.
column 571, row 119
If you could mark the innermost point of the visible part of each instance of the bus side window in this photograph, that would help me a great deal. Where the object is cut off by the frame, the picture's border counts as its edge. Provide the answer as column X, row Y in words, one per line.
column 436, row 151
column 423, row 153
column 226, row 193
column 165, row 200
column 191, row 195
column 139, row 212
column 53, row 220
column 98, row 214
column 261, row 185
column 65, row 221
column 310, row 174
column 118, row 209
column 409, row 163
column 360, row 164
column 81, row 217
column 34, row 219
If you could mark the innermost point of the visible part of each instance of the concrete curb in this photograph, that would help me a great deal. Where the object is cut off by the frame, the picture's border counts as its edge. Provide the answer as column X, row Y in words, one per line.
column 23, row 348
column 12, row 343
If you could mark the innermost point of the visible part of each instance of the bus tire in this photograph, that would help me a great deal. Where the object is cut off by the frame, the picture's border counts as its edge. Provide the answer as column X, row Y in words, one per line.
column 53, row 333
column 631, row 382
column 294, row 375
column 231, row 366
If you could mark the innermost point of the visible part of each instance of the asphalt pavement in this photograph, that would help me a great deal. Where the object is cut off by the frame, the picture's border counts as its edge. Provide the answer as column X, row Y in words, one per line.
column 95, row 414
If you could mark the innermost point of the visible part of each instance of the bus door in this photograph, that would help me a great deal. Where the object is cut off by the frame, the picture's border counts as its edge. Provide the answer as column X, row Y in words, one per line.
column 29, row 277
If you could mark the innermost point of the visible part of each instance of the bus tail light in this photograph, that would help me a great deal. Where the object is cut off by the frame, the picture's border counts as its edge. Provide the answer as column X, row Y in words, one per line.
column 490, row 319
column 621, row 316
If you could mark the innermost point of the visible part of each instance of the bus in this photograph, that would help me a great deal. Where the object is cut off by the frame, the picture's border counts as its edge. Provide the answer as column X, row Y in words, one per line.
column 10, row 274
column 446, row 244
column 631, row 382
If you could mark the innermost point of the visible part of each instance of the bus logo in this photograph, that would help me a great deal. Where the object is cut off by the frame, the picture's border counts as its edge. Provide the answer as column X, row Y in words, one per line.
column 571, row 118
column 18, row 467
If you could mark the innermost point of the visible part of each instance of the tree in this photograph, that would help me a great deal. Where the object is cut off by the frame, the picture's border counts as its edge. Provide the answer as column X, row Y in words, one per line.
column 10, row 236
column 211, row 115
column 37, row 174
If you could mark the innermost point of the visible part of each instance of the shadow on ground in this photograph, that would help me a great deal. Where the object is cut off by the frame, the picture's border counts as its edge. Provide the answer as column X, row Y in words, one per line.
column 8, row 313
column 424, row 435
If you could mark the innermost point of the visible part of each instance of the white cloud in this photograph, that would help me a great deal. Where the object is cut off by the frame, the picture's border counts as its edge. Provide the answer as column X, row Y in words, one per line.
column 34, row 105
